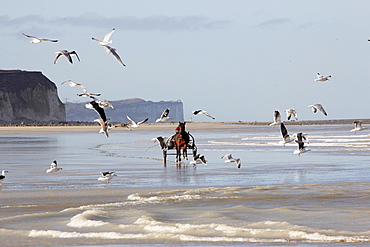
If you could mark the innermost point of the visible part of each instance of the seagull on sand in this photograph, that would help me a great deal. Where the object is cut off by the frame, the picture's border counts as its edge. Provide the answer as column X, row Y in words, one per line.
column 164, row 117
column 202, row 112
column 2, row 176
column 85, row 94
column 106, row 38
column 53, row 167
column 290, row 113
column 319, row 107
column 322, row 78
column 36, row 40
column 358, row 126
column 107, row 176
column 230, row 159
column 277, row 119
column 286, row 136
column 68, row 55
column 113, row 51
column 136, row 124
column 103, row 103
column 301, row 148
column 197, row 159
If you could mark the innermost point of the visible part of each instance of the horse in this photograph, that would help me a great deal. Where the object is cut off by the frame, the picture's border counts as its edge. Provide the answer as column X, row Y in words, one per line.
column 181, row 141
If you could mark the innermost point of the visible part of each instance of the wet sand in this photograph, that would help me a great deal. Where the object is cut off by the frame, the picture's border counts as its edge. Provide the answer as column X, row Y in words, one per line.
column 161, row 126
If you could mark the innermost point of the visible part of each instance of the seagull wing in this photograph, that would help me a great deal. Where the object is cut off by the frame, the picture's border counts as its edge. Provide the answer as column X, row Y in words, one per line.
column 97, row 39
column 295, row 115
column 319, row 76
column 29, row 36
column 75, row 53
column 53, row 164
column 107, row 36
column 284, row 131
column 99, row 110
column 68, row 55
column 321, row 108
column 313, row 107
column 104, row 126
column 227, row 156
column 143, row 121
column 165, row 113
column 82, row 86
column 196, row 112
column 132, row 121
column 299, row 137
column 288, row 114
column 239, row 163
column 277, row 116
column 51, row 40
column 115, row 54
column 57, row 57
column 357, row 124
column 104, row 173
column 203, row 159
column 207, row 114
column 301, row 145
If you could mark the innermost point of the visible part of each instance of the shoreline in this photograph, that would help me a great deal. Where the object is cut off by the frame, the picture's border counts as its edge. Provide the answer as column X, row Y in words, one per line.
column 48, row 128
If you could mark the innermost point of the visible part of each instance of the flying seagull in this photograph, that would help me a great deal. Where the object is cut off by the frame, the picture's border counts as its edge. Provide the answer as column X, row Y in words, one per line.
column 36, row 40
column 319, row 107
column 103, row 103
column 290, row 113
column 358, row 126
column 197, row 159
column 136, row 124
column 104, row 126
column 277, row 119
column 113, row 51
column 164, row 117
column 106, row 38
column 322, row 78
column 85, row 94
column 107, row 176
column 2, row 176
column 230, row 159
column 98, row 109
column 123, row 125
column 68, row 55
column 286, row 136
column 301, row 148
column 304, row 137
column 53, row 167
column 202, row 112
column 161, row 141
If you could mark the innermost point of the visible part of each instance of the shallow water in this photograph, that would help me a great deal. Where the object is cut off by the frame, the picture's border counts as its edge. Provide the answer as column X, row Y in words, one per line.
column 276, row 198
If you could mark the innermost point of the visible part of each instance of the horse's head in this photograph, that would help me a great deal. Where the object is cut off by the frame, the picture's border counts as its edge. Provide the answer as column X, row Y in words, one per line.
column 182, row 126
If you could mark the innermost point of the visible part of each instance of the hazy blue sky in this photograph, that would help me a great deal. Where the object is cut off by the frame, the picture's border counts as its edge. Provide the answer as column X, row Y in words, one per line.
column 239, row 60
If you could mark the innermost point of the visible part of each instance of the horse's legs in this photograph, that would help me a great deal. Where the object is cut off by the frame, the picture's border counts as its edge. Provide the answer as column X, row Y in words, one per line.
column 178, row 154
column 185, row 153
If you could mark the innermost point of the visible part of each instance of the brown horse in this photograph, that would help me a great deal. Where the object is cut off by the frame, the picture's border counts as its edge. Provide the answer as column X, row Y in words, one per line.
column 181, row 141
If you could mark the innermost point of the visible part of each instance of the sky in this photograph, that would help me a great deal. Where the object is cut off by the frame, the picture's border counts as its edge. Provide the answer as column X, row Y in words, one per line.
column 240, row 60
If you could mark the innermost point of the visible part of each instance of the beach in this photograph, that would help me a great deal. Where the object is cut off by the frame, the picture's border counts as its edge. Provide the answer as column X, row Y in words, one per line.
column 275, row 199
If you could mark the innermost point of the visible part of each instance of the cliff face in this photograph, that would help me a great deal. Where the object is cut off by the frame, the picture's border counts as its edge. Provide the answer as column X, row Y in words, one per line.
column 136, row 109
column 29, row 97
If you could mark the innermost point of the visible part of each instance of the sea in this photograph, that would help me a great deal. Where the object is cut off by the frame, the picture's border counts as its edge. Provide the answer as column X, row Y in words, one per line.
column 276, row 198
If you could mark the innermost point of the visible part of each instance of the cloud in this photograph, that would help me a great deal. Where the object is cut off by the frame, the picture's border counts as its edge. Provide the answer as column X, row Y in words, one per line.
column 164, row 23
column 273, row 22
